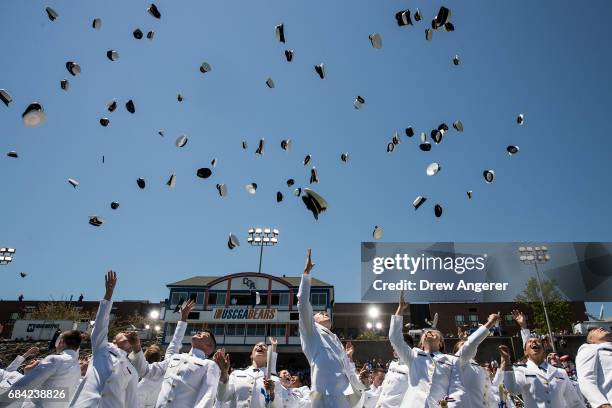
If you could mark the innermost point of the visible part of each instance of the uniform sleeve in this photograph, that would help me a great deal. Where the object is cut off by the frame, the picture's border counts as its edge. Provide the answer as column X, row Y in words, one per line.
column 352, row 376
column 470, row 346
column 177, row 339
column 510, row 382
column 131, row 393
column 278, row 395
column 456, row 392
column 306, row 319
column 226, row 391
column 525, row 335
column 99, row 333
column 38, row 375
column 586, row 368
column 571, row 396
column 15, row 364
column 396, row 338
column 498, row 378
column 208, row 390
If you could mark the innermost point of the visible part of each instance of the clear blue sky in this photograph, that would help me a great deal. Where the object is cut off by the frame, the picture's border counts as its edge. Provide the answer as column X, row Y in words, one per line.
column 549, row 60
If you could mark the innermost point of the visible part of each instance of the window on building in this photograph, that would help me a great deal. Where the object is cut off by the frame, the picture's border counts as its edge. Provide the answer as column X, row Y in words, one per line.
column 216, row 298
column 294, row 330
column 473, row 318
column 234, row 329
column 256, row 330
column 170, row 327
column 277, row 330
column 177, row 297
column 240, row 299
column 14, row 316
column 318, row 299
column 280, row 299
column 509, row 318
column 193, row 328
column 459, row 319
column 217, row 329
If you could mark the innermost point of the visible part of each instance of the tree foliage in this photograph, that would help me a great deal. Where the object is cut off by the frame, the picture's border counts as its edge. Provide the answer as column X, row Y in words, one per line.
column 56, row 311
column 369, row 335
column 559, row 312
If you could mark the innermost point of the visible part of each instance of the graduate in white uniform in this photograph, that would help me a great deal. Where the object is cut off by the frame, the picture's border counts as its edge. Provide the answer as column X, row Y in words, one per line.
column 148, row 390
column 394, row 386
column 335, row 383
column 372, row 395
column 519, row 318
column 111, row 379
column 189, row 379
column 10, row 375
column 254, row 386
column 594, row 368
column 540, row 384
column 475, row 378
column 301, row 390
column 150, row 385
column 291, row 397
column 433, row 375
column 54, row 372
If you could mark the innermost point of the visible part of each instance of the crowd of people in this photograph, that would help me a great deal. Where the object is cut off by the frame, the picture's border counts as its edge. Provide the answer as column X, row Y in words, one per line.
column 119, row 373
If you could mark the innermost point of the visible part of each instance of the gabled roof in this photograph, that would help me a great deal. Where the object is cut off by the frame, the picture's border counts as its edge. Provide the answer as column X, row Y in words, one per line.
column 208, row 280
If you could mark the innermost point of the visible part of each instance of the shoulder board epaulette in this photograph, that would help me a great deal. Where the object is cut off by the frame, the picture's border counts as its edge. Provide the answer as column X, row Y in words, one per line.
column 520, row 365
column 422, row 354
column 113, row 353
column 605, row 349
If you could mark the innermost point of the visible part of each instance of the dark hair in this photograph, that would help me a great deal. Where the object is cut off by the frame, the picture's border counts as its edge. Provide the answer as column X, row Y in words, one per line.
column 212, row 336
column 72, row 339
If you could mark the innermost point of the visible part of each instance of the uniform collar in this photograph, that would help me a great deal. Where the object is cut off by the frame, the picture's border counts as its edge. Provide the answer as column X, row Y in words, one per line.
column 198, row 353
column 72, row 353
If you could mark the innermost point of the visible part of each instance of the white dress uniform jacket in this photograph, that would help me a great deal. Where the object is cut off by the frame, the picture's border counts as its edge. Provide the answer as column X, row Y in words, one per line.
column 494, row 394
column 394, row 386
column 52, row 373
column 475, row 378
column 245, row 388
column 303, row 396
column 10, row 375
column 594, row 369
column 189, row 379
column 148, row 389
column 432, row 377
column 542, row 387
column 111, row 380
column 332, row 374
column 371, row 396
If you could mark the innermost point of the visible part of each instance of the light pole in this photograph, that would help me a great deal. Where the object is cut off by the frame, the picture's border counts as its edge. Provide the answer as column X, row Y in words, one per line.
column 262, row 237
column 6, row 255
column 535, row 255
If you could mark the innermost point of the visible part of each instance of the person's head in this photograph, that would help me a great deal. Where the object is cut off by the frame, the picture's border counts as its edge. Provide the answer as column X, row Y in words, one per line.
column 378, row 376
column 122, row 341
column 259, row 354
column 70, row 339
column 534, row 350
column 296, row 381
column 323, row 319
column 204, row 340
column 598, row 335
column 285, row 378
column 152, row 354
column 432, row 341
column 84, row 364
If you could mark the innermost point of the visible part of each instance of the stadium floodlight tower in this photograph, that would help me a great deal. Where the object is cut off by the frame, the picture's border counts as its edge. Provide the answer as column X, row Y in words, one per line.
column 6, row 255
column 262, row 237
column 533, row 256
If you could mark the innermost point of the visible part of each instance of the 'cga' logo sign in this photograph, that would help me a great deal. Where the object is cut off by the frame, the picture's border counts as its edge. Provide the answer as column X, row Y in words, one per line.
column 248, row 283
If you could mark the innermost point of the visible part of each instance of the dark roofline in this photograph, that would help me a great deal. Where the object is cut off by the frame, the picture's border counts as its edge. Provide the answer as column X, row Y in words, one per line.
column 218, row 279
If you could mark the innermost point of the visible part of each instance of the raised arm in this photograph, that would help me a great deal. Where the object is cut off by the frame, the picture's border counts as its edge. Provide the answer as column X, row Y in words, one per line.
column 306, row 321
column 519, row 318
column 226, row 389
column 19, row 360
column 396, row 338
column 468, row 351
column 157, row 370
column 509, row 374
column 38, row 375
column 99, row 334
column 586, row 368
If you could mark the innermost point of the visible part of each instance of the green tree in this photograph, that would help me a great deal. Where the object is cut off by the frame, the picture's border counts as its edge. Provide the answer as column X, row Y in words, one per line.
column 56, row 311
column 559, row 312
column 369, row 335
